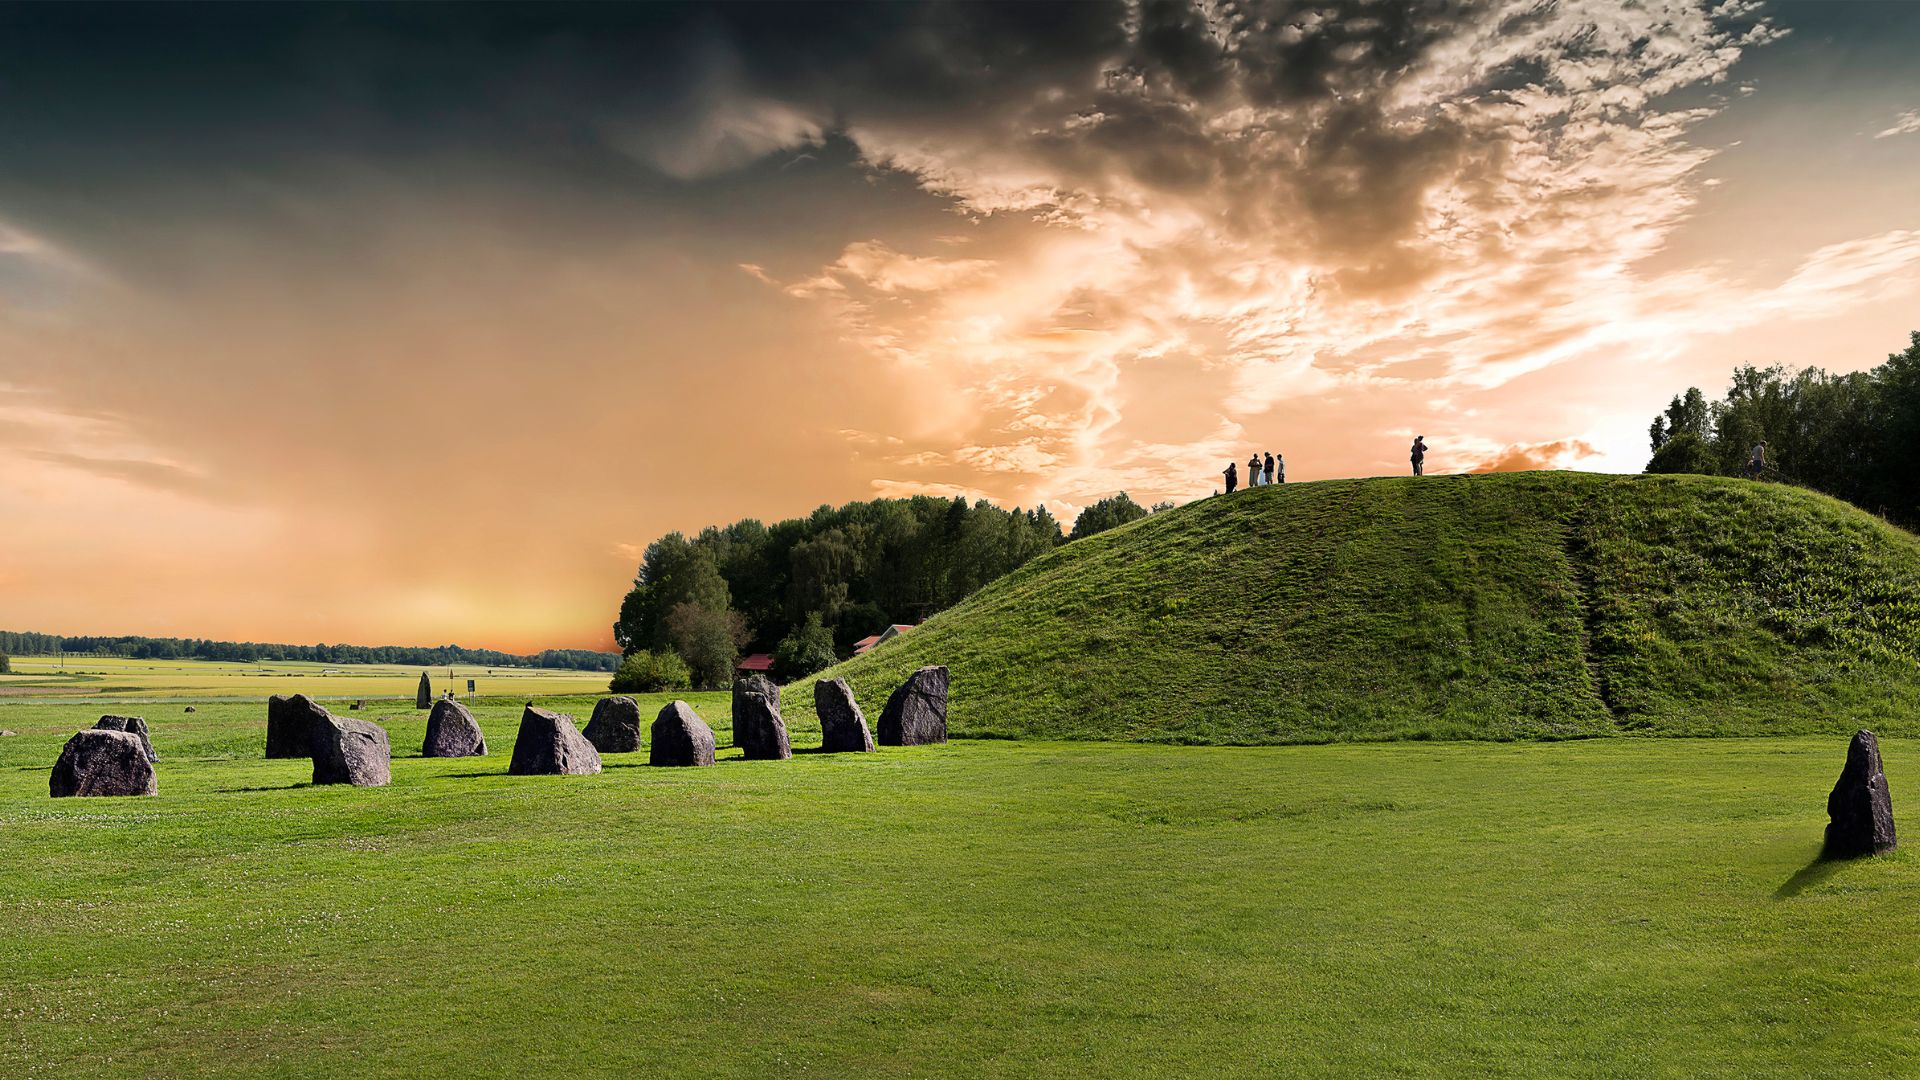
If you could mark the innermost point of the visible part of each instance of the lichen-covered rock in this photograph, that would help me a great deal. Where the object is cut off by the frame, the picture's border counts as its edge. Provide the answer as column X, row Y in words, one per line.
column 350, row 752
column 549, row 745
column 843, row 727
column 680, row 737
column 916, row 714
column 133, row 725
column 101, row 761
column 757, row 728
column 453, row 732
column 614, row 727
column 1859, row 810
column 290, row 724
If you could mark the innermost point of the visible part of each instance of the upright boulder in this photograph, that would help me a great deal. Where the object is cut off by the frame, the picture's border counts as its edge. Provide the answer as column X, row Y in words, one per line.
column 350, row 752
column 680, row 737
column 423, row 697
column 916, row 714
column 290, row 724
column 1859, row 811
column 843, row 727
column 757, row 728
column 102, row 761
column 132, row 725
column 453, row 732
column 549, row 745
column 614, row 727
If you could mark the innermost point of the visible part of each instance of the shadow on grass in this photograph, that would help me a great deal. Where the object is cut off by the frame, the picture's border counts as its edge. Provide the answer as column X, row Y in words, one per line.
column 271, row 787
column 1814, row 873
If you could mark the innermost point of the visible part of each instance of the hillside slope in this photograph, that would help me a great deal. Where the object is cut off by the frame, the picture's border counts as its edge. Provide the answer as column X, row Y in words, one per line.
column 1525, row 605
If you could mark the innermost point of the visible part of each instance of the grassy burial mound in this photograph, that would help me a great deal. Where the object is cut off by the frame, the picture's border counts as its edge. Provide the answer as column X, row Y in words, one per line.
column 1526, row 605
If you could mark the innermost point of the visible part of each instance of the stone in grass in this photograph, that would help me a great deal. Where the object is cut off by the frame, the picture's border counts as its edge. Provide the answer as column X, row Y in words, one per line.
column 757, row 728
column 102, row 762
column 192, row 709
column 614, row 727
column 549, row 745
column 453, row 732
column 916, row 714
column 133, row 725
column 843, row 728
column 1859, row 811
column 290, row 724
column 350, row 752
column 680, row 737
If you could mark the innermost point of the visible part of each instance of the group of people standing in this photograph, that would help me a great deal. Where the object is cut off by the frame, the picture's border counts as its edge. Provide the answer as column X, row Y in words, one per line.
column 1259, row 473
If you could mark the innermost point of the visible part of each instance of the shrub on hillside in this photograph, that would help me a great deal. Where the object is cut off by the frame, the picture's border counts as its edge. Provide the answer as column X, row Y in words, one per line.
column 6, row 664
column 1684, row 453
column 648, row 672
column 807, row 650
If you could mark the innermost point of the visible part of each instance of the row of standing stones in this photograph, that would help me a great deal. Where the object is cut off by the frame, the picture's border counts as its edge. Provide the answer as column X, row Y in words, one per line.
column 116, row 758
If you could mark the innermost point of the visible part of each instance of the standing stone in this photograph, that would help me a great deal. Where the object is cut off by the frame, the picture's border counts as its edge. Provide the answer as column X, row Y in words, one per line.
column 843, row 727
column 549, row 745
column 132, row 725
column 1859, row 811
column 290, row 723
column 916, row 714
column 757, row 728
column 101, row 761
column 614, row 727
column 680, row 737
column 453, row 732
column 350, row 752
column 423, row 698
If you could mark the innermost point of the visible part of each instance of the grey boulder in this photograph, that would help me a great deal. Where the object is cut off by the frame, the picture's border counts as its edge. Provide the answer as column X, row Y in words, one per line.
column 132, row 725
column 1859, row 811
column 843, row 727
column 290, row 724
column 757, row 728
column 680, row 737
column 549, row 745
column 453, row 732
column 350, row 752
column 614, row 727
column 102, row 762
column 916, row 714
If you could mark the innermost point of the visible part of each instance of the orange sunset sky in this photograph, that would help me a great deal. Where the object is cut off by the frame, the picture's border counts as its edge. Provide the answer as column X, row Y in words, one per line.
column 415, row 325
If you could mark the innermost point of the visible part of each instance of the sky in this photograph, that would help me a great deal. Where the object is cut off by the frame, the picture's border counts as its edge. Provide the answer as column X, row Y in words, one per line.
column 352, row 323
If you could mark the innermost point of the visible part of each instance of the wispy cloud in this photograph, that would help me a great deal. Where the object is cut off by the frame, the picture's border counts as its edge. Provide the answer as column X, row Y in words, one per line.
column 1907, row 123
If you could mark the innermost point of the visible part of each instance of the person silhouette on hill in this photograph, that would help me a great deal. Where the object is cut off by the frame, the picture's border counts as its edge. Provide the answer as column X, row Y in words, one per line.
column 1233, row 478
column 1253, row 471
column 1757, row 461
column 1419, row 455
column 1268, row 478
column 1279, row 468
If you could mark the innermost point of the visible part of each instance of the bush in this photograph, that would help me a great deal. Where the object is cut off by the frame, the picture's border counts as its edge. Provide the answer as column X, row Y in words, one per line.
column 648, row 672
column 6, row 664
column 1684, row 453
column 807, row 650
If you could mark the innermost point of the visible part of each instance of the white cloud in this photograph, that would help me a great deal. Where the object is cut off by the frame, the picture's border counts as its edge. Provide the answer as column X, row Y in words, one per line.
column 1907, row 123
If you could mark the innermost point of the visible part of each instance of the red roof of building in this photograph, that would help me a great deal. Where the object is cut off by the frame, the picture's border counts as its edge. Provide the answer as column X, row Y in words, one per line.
column 757, row 662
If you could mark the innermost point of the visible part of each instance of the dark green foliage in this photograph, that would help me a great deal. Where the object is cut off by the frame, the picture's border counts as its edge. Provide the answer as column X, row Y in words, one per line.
column 1684, row 453
column 1854, row 436
column 1525, row 605
column 709, row 640
column 807, row 650
column 149, row 648
column 648, row 672
column 859, row 566
column 6, row 664
column 1108, row 513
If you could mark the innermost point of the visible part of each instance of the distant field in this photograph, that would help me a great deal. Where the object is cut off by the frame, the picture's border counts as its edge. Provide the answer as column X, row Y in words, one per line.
column 48, row 678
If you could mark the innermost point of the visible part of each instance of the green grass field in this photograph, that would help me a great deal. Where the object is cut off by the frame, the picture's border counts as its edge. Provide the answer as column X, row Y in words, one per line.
column 1623, row 907
column 43, row 678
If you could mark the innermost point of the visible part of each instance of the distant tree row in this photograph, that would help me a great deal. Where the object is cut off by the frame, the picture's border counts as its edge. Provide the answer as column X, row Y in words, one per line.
column 807, row 588
column 147, row 648
column 1853, row 436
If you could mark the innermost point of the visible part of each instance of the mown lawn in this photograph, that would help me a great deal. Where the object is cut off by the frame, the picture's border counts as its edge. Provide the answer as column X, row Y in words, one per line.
column 1620, row 907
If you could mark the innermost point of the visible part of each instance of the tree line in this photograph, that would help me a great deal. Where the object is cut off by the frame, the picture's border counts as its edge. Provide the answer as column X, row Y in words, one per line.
column 150, row 648
column 806, row 589
column 1852, row 436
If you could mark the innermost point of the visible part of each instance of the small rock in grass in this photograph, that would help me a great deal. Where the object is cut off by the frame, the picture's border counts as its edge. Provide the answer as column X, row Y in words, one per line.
column 1859, row 811
column 757, row 728
column 290, row 724
column 549, row 745
column 453, row 732
column 349, row 752
column 680, row 737
column 132, row 725
column 916, row 714
column 192, row 709
column 102, row 762
column 843, row 727
column 8, row 734
column 614, row 727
